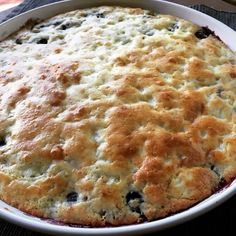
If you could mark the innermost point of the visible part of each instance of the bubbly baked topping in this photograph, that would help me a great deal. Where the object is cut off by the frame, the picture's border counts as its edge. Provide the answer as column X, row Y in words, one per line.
column 114, row 116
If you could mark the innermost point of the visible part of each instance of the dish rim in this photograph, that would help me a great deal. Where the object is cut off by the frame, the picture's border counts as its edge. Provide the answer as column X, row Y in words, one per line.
column 202, row 207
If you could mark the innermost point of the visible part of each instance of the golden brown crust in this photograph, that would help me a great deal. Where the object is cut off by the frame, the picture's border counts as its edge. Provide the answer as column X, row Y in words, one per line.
column 112, row 116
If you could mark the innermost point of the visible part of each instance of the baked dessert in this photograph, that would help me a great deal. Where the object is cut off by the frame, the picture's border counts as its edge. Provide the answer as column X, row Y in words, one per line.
column 113, row 116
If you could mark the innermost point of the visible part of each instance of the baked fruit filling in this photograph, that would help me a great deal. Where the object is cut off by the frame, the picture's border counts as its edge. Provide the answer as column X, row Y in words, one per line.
column 113, row 116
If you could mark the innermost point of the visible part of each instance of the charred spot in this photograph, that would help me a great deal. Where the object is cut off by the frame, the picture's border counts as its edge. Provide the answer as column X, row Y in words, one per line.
column 173, row 27
column 205, row 32
column 2, row 141
column 134, row 199
column 72, row 197
column 18, row 41
column 42, row 41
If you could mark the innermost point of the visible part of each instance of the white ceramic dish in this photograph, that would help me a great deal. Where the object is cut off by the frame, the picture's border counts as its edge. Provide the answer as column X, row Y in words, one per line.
column 225, row 33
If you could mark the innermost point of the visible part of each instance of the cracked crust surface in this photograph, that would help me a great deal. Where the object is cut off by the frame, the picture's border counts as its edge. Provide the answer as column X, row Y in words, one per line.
column 112, row 116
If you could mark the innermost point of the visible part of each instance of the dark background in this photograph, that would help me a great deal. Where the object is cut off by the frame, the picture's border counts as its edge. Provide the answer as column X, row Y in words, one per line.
column 220, row 221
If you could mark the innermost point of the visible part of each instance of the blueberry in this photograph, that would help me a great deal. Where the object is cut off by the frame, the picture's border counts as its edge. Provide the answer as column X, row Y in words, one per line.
column 99, row 15
column 173, row 27
column 72, row 197
column 41, row 26
column 222, row 183
column 2, row 141
column 65, row 26
column 68, row 25
column 134, row 199
column 18, row 41
column 42, row 41
column 54, row 23
column 143, row 218
column 132, row 195
column 205, row 32
column 151, row 13
column 102, row 213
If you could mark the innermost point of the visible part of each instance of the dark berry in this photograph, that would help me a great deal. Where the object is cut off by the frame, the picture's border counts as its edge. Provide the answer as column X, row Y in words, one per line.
column 173, row 27
column 134, row 199
column 99, row 15
column 42, row 41
column 222, row 183
column 102, row 213
column 18, row 41
column 143, row 217
column 2, row 141
column 205, row 32
column 55, row 23
column 72, row 197
column 133, row 195
column 151, row 13
column 69, row 25
column 65, row 26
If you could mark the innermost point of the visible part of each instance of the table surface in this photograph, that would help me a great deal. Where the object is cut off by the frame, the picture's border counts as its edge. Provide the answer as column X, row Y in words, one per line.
column 216, row 222
column 217, row 4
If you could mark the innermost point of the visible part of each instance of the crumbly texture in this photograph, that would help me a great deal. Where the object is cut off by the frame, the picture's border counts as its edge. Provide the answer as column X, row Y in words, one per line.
column 112, row 116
